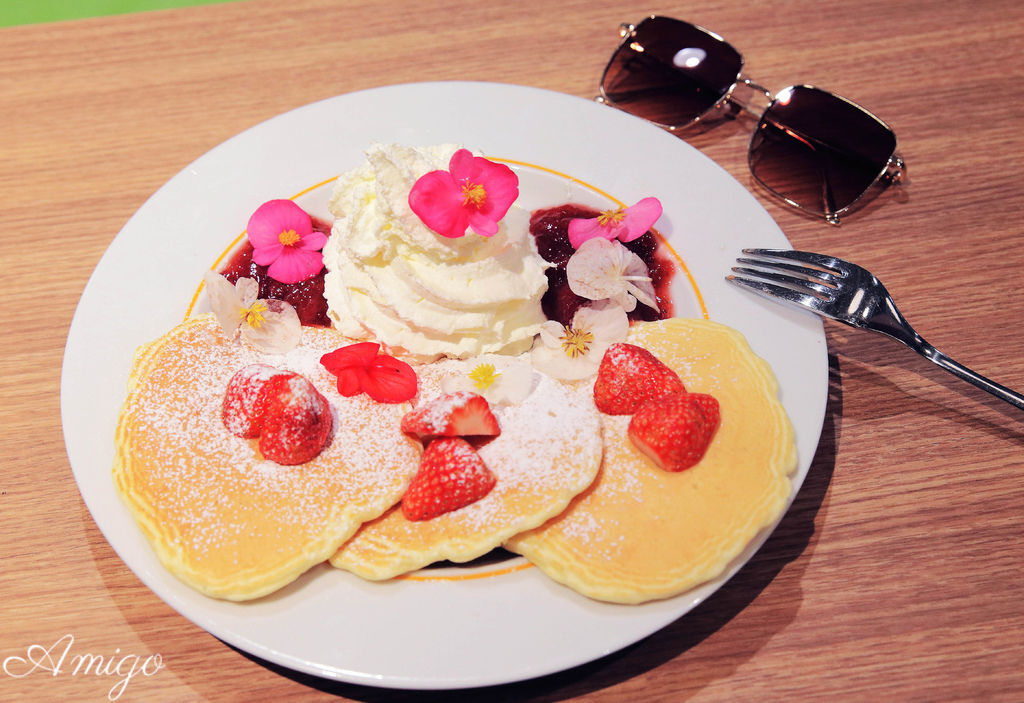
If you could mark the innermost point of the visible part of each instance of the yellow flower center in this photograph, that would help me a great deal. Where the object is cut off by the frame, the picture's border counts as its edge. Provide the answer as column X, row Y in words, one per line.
column 483, row 376
column 473, row 194
column 253, row 315
column 611, row 217
column 576, row 342
column 289, row 237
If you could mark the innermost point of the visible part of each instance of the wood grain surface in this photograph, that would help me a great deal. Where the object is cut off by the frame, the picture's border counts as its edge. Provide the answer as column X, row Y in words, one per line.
column 895, row 576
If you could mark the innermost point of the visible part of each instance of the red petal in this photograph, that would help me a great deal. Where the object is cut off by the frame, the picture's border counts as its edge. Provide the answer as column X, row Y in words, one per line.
column 295, row 265
column 273, row 217
column 351, row 381
column 483, row 225
column 353, row 355
column 464, row 166
column 580, row 230
column 314, row 241
column 265, row 256
column 437, row 201
column 501, row 185
column 389, row 380
column 640, row 218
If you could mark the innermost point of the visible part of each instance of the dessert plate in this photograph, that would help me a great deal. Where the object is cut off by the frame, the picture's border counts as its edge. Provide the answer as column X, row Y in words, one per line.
column 451, row 627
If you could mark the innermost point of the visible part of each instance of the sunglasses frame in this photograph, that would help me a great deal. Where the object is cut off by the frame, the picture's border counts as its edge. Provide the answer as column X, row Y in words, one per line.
column 628, row 33
column 892, row 172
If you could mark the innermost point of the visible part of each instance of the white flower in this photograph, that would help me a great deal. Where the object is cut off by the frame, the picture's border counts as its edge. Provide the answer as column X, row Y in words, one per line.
column 270, row 326
column 602, row 269
column 498, row 378
column 574, row 352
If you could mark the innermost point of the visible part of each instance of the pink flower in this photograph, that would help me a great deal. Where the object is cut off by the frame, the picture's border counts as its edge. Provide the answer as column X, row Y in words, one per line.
column 473, row 192
column 283, row 238
column 624, row 224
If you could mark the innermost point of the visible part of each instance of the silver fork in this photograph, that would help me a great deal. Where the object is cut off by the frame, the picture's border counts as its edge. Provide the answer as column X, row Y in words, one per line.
column 847, row 293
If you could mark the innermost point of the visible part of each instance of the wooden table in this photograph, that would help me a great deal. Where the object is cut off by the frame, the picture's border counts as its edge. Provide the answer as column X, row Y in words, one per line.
column 896, row 573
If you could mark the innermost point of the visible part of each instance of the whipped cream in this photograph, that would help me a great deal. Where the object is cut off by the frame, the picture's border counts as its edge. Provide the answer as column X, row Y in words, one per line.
column 424, row 296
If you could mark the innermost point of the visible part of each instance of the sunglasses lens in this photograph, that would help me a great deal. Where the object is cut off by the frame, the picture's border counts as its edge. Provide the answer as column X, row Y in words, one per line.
column 670, row 72
column 818, row 150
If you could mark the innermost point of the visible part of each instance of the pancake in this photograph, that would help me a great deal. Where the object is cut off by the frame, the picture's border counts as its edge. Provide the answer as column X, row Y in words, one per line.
column 640, row 533
column 220, row 517
column 548, row 451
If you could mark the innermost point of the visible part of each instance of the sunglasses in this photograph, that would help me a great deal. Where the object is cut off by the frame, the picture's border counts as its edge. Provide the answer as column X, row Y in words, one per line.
column 817, row 151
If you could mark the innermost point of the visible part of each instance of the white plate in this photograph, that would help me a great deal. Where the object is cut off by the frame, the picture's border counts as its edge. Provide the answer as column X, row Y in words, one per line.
column 418, row 634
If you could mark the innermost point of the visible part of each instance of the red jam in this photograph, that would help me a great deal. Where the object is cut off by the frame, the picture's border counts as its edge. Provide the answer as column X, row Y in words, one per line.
column 307, row 297
column 550, row 227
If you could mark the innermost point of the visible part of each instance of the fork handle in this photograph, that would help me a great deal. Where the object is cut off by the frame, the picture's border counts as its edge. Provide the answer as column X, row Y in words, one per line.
column 889, row 321
column 958, row 369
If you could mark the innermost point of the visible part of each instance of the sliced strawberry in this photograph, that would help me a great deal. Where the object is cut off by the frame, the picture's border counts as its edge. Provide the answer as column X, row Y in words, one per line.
column 628, row 376
column 238, row 411
column 675, row 430
column 451, row 476
column 460, row 414
column 296, row 420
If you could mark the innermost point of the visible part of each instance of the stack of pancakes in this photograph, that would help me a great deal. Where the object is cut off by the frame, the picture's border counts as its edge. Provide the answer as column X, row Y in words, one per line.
column 573, row 495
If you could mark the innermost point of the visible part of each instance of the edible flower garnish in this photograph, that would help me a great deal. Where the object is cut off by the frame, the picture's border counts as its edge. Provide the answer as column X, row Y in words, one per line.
column 498, row 378
column 473, row 193
column 283, row 239
column 270, row 326
column 602, row 269
column 360, row 368
column 624, row 224
column 574, row 352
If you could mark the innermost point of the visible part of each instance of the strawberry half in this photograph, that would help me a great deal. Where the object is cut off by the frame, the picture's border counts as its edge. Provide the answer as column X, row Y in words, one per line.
column 295, row 420
column 630, row 375
column 675, row 430
column 451, row 476
column 238, row 411
column 461, row 414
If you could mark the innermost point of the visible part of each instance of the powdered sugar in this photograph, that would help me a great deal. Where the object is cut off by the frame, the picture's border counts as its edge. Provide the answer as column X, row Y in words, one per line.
column 436, row 413
column 548, row 449
column 240, row 398
column 214, row 490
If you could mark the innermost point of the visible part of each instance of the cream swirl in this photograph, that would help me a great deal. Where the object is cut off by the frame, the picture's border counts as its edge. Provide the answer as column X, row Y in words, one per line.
column 391, row 279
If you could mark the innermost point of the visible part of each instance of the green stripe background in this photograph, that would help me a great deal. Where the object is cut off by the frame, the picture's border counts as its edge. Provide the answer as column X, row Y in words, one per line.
column 14, row 12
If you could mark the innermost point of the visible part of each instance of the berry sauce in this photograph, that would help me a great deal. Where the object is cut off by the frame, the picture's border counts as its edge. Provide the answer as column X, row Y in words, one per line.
column 550, row 228
column 307, row 297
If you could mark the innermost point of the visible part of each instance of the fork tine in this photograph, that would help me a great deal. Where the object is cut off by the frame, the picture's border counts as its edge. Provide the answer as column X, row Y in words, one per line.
column 776, row 292
column 801, row 273
column 803, row 281
column 807, row 257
